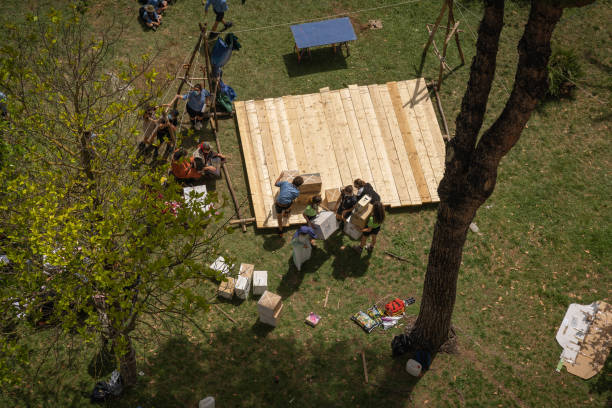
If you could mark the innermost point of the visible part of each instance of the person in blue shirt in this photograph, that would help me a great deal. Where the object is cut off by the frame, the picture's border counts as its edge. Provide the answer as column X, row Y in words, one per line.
column 197, row 100
column 286, row 196
column 150, row 17
column 219, row 7
column 160, row 5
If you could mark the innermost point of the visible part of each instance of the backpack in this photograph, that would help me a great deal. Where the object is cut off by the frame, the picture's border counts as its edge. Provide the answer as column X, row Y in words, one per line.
column 395, row 307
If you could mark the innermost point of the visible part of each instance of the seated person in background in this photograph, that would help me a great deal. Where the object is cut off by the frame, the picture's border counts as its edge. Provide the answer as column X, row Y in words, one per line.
column 212, row 160
column 311, row 210
column 150, row 17
column 184, row 168
column 197, row 100
column 160, row 5
column 346, row 203
column 364, row 188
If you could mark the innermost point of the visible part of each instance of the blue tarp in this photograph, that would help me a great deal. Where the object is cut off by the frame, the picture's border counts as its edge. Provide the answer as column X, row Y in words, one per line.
column 222, row 50
column 325, row 32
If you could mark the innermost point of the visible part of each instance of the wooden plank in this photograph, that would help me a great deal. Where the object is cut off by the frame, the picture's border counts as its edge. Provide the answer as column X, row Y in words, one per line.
column 393, row 113
column 377, row 180
column 336, row 140
column 355, row 134
column 418, row 91
column 390, row 195
column 285, row 131
column 389, row 145
column 345, row 135
column 409, row 144
column 419, row 147
column 266, row 144
column 296, row 133
column 275, row 133
column 434, row 127
column 249, row 160
column 256, row 142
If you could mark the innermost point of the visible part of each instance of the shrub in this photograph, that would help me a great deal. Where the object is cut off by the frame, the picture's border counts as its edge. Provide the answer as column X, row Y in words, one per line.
column 563, row 71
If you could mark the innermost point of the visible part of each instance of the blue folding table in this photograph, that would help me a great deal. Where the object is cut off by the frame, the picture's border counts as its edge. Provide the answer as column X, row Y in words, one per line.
column 338, row 31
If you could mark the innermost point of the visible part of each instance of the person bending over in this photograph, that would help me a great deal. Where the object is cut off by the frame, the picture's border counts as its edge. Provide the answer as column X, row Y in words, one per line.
column 184, row 168
column 312, row 209
column 285, row 198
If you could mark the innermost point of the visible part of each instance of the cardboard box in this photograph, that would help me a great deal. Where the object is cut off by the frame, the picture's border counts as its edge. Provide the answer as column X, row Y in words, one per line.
column 221, row 266
column 242, row 287
column 351, row 229
column 260, row 282
column 226, row 289
column 312, row 183
column 246, row 270
column 365, row 200
column 304, row 198
column 360, row 218
column 325, row 224
column 332, row 196
column 271, row 320
column 289, row 175
column 268, row 304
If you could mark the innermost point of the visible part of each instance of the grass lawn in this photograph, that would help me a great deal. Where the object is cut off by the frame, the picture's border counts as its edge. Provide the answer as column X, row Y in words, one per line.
column 544, row 242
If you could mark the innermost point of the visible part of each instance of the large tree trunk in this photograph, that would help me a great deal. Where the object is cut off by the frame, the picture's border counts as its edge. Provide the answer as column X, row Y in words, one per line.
column 471, row 167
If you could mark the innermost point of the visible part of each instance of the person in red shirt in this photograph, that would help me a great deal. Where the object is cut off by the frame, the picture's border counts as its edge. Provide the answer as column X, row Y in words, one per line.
column 184, row 168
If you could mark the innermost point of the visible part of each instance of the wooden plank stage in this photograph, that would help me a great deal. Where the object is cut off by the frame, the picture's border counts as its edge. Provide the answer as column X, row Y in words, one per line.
column 387, row 135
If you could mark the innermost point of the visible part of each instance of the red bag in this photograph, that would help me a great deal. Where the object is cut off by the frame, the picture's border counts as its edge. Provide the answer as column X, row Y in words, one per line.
column 395, row 307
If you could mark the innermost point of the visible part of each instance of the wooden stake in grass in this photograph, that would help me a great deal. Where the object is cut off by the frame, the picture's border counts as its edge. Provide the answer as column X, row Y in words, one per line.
column 365, row 366
column 224, row 313
column 326, row 297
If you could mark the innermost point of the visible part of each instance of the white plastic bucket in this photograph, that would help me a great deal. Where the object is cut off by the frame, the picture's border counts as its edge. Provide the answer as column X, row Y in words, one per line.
column 413, row 367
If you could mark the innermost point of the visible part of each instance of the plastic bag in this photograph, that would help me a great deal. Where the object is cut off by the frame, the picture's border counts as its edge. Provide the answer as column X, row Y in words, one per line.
column 364, row 321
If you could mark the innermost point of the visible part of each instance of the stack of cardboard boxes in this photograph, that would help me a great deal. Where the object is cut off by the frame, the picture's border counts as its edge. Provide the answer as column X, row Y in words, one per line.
column 359, row 218
column 243, row 283
column 310, row 188
column 269, row 307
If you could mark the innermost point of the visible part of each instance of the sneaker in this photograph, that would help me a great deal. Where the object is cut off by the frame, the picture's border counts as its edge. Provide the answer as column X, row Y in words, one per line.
column 228, row 25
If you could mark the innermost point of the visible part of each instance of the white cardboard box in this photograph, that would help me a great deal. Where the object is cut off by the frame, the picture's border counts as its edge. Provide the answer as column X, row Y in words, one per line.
column 365, row 200
column 271, row 320
column 325, row 224
column 221, row 266
column 200, row 201
column 260, row 282
column 351, row 229
column 242, row 287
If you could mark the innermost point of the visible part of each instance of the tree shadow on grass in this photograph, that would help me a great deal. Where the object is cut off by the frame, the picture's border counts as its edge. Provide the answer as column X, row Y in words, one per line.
column 240, row 370
column 292, row 279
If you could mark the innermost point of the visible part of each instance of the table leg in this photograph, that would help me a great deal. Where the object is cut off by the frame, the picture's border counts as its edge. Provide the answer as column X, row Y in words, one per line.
column 297, row 51
column 348, row 52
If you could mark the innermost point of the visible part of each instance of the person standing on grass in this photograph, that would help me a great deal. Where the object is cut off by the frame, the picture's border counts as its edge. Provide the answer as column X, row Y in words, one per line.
column 372, row 228
column 197, row 100
column 303, row 241
column 285, row 198
column 219, row 7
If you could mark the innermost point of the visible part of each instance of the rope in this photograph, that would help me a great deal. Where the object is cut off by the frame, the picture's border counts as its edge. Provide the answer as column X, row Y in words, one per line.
column 327, row 17
column 583, row 90
column 502, row 81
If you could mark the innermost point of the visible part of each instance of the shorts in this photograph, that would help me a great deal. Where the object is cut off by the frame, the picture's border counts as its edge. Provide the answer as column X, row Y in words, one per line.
column 280, row 209
column 310, row 217
column 219, row 17
column 193, row 113
column 374, row 231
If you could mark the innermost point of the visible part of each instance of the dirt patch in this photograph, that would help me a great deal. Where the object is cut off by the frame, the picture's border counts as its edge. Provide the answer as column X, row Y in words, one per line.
column 358, row 26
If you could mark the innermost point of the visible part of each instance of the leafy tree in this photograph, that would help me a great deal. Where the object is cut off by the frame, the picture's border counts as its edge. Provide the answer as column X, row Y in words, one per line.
column 472, row 160
column 96, row 247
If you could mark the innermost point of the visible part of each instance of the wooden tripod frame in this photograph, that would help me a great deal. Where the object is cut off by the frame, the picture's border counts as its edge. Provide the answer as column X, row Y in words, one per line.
column 451, row 30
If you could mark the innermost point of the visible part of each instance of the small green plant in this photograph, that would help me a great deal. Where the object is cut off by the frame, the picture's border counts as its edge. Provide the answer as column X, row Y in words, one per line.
column 563, row 70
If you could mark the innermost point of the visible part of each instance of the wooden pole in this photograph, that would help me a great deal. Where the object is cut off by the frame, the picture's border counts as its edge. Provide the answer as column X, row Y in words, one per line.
column 224, row 313
column 443, row 59
column 188, row 66
column 215, row 126
column 457, row 37
column 365, row 366
column 242, row 221
column 439, row 103
column 436, row 25
column 326, row 297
